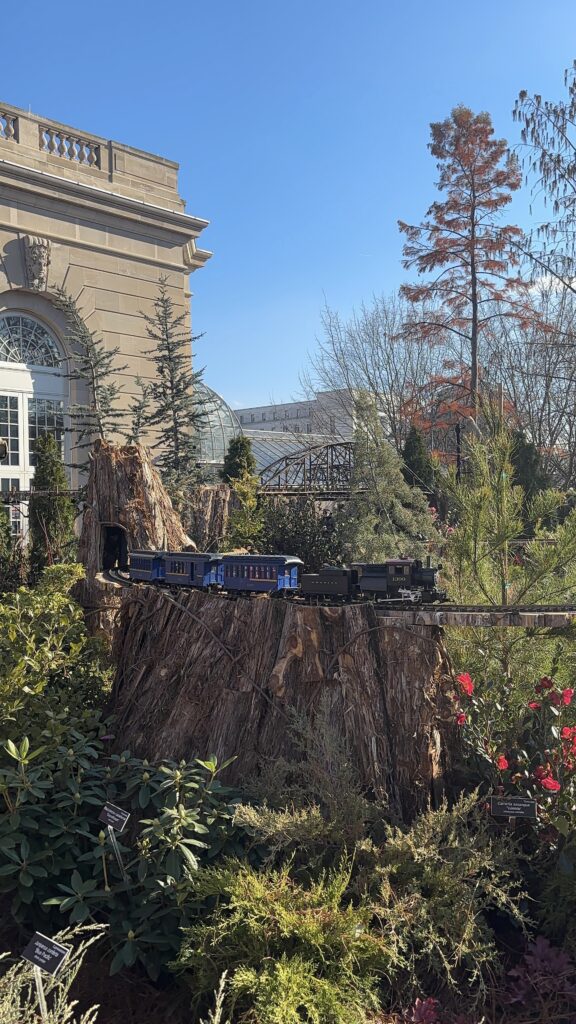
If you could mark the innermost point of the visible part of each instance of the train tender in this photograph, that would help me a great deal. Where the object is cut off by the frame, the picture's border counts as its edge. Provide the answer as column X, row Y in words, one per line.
column 397, row 581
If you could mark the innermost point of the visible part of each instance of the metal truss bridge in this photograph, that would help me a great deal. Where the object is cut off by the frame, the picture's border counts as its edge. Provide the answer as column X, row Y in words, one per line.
column 324, row 471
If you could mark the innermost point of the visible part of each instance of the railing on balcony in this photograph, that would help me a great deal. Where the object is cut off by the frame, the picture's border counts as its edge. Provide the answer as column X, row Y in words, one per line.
column 8, row 126
column 69, row 147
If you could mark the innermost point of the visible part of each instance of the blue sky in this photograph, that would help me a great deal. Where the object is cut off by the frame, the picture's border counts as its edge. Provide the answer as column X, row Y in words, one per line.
column 301, row 130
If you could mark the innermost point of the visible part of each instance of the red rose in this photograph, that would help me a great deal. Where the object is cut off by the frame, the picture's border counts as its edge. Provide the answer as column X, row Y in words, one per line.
column 546, row 683
column 535, row 705
column 552, row 785
column 466, row 684
column 502, row 763
column 567, row 696
column 460, row 718
column 540, row 772
column 566, row 732
column 555, row 698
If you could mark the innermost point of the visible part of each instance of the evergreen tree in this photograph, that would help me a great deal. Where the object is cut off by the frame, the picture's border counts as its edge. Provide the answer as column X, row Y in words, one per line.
column 527, row 465
column 297, row 526
column 175, row 410
column 418, row 469
column 239, row 459
column 51, row 516
column 94, row 365
column 139, row 411
column 246, row 519
column 385, row 517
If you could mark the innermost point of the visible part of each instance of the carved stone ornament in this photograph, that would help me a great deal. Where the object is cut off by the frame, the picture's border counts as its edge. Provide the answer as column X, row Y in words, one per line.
column 36, row 262
column 189, row 254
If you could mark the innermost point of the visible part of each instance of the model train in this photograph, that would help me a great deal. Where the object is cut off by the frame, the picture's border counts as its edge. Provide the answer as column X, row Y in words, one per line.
column 400, row 580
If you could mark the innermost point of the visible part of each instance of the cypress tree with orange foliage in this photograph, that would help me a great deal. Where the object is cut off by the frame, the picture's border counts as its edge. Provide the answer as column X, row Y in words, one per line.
column 469, row 257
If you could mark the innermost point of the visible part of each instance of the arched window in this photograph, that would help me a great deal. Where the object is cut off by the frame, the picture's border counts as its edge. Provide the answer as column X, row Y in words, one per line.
column 33, row 398
column 24, row 340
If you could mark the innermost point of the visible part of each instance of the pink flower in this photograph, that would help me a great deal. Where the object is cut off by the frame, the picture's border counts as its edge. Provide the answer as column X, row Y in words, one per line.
column 535, row 705
column 566, row 733
column 502, row 763
column 567, row 696
column 466, row 684
column 552, row 785
column 460, row 718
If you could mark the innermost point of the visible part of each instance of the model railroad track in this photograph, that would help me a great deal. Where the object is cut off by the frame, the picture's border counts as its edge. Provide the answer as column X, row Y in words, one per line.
column 119, row 577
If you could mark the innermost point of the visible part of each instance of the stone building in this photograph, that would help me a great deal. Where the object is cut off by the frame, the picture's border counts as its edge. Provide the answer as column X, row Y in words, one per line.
column 328, row 413
column 106, row 222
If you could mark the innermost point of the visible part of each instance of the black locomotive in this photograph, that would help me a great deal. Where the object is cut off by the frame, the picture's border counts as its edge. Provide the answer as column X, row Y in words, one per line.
column 399, row 581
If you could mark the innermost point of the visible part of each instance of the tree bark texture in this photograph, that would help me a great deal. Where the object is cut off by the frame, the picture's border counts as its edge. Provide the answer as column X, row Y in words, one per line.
column 124, row 489
column 208, row 515
column 200, row 674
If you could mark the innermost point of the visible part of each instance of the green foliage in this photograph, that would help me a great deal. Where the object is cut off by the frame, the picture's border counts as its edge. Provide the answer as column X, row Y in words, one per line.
column 503, row 551
column 246, row 519
column 527, row 466
column 385, row 517
column 239, row 459
column 94, row 365
column 44, row 642
column 51, row 516
column 174, row 410
column 418, row 469
column 139, row 410
column 436, row 882
column 298, row 526
column 293, row 952
column 58, row 860
column 18, row 994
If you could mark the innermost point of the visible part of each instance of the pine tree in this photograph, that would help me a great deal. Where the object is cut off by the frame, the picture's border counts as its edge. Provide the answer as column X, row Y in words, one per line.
column 94, row 365
column 51, row 516
column 418, row 469
column 246, row 519
column 527, row 465
column 297, row 526
column 469, row 259
column 175, row 410
column 385, row 517
column 239, row 459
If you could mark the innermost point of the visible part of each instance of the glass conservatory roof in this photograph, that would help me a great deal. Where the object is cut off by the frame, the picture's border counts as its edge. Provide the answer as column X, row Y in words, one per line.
column 219, row 427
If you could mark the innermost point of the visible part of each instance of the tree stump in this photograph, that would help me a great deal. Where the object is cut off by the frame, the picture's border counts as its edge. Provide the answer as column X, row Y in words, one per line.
column 199, row 674
column 124, row 492
column 208, row 514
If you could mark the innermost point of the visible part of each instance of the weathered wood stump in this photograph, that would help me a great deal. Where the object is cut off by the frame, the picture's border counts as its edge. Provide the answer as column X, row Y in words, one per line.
column 208, row 515
column 124, row 492
column 199, row 674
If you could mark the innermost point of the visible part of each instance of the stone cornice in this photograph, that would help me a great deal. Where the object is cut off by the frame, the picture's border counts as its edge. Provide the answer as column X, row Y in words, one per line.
column 91, row 197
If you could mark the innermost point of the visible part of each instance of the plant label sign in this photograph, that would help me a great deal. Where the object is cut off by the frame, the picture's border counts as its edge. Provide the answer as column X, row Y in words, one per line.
column 45, row 953
column 114, row 817
column 513, row 807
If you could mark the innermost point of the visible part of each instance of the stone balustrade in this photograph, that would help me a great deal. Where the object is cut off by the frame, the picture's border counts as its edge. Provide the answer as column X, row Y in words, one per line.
column 8, row 126
column 74, row 148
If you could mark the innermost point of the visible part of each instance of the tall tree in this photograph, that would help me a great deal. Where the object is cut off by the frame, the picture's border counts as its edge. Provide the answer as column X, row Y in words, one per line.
column 176, row 411
column 51, row 515
column 246, row 518
column 463, row 247
column 384, row 517
column 548, row 136
column 94, row 363
column 418, row 468
column 239, row 459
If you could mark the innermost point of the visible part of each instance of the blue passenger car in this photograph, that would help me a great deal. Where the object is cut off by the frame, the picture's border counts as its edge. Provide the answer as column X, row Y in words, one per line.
column 147, row 565
column 261, row 573
column 192, row 569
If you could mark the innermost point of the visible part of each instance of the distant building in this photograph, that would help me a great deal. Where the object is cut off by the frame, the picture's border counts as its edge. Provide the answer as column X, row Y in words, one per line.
column 329, row 412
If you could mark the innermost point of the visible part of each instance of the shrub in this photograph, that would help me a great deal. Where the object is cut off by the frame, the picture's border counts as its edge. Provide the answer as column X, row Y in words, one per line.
column 435, row 884
column 57, row 855
column 293, row 952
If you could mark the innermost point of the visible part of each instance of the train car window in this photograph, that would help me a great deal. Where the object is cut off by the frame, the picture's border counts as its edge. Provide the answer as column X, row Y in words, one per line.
column 406, row 570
